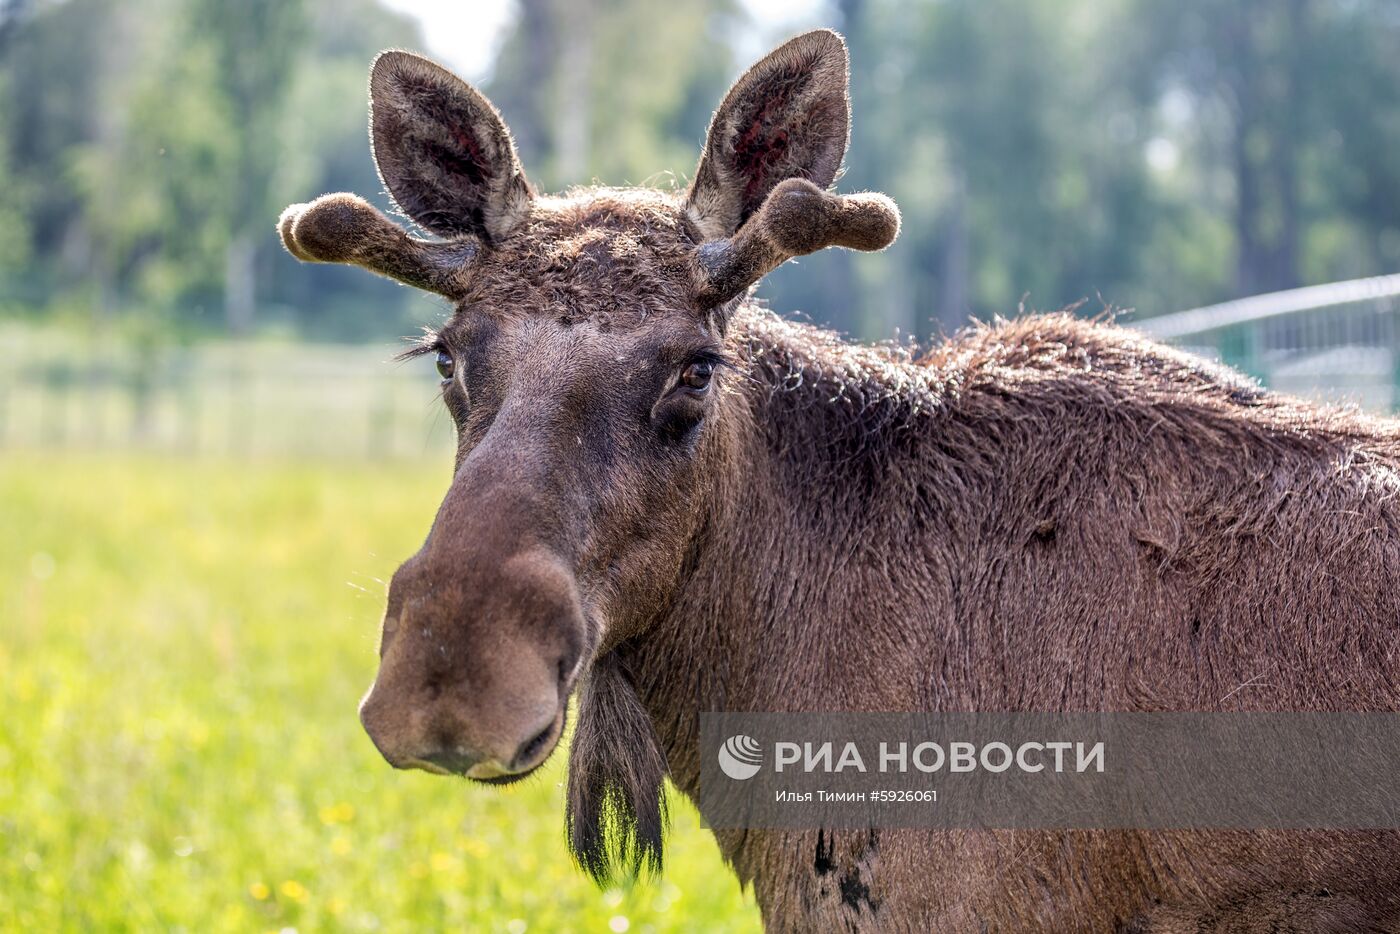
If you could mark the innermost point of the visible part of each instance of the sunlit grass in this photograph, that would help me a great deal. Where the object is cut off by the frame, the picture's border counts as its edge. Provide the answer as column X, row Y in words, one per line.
column 182, row 646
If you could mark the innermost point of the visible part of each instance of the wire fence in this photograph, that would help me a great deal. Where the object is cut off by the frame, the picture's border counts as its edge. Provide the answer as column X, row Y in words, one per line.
column 1339, row 342
column 224, row 399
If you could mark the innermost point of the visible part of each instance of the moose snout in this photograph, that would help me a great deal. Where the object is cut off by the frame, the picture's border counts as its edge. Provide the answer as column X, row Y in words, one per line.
column 446, row 743
column 475, row 670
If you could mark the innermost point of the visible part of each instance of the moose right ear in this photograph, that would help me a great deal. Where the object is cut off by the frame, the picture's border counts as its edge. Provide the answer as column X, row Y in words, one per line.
column 443, row 151
column 787, row 117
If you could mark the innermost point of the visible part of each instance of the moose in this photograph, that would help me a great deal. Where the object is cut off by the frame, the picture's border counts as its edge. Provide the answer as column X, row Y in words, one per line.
column 668, row 500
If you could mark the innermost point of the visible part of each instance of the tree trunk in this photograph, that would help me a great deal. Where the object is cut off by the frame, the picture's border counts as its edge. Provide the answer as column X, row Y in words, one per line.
column 1266, row 86
column 1291, row 139
column 575, row 93
column 239, row 284
column 529, row 121
column 954, row 287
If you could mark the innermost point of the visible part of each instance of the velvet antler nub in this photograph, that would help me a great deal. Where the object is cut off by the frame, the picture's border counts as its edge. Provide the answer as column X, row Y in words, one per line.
column 345, row 228
column 796, row 219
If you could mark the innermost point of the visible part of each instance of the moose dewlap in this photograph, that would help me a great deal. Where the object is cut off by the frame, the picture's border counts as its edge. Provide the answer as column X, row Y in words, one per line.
column 671, row 501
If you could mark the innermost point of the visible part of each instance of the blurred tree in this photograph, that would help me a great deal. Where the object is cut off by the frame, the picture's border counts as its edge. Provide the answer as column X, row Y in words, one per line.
column 1242, row 60
column 521, row 86
column 52, row 71
column 615, row 91
column 178, row 177
column 14, row 200
column 1297, row 105
column 252, row 45
column 1017, row 161
column 153, row 143
column 1353, row 161
column 1154, row 155
column 14, row 211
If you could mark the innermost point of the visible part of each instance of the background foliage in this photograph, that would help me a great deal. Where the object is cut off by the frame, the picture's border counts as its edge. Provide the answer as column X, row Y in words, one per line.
column 1151, row 155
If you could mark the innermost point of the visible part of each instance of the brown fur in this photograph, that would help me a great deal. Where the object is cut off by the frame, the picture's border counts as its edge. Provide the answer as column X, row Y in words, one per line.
column 798, row 218
column 1042, row 514
column 344, row 228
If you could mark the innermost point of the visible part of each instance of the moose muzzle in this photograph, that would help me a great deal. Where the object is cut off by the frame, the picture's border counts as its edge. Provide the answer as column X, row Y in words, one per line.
column 476, row 662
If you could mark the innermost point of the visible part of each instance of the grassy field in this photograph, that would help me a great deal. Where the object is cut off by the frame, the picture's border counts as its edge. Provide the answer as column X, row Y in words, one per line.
column 182, row 646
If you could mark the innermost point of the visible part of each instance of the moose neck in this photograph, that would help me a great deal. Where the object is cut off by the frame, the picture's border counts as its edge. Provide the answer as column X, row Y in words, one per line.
column 776, row 609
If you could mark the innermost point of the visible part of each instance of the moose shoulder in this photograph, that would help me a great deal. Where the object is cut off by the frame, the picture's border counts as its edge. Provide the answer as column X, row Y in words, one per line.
column 670, row 500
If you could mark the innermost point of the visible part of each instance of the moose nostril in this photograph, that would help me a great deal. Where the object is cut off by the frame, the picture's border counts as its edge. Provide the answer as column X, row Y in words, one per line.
column 532, row 747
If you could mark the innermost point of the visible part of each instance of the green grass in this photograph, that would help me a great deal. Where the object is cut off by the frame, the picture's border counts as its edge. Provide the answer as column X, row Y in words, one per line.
column 182, row 647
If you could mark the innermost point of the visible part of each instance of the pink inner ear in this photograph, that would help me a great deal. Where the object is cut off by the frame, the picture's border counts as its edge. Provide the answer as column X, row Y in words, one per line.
column 434, row 105
column 758, row 149
column 467, row 140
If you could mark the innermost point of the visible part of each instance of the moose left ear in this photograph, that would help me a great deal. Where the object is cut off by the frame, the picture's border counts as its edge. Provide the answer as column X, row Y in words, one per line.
column 443, row 151
column 787, row 117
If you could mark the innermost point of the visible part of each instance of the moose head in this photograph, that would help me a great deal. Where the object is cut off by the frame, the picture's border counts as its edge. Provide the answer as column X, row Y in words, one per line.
column 587, row 370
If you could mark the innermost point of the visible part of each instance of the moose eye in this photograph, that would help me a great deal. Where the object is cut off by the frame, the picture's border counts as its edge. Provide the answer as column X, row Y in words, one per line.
column 445, row 366
column 696, row 377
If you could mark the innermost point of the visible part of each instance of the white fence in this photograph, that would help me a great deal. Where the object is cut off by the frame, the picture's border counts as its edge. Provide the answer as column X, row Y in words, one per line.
column 222, row 399
column 1339, row 341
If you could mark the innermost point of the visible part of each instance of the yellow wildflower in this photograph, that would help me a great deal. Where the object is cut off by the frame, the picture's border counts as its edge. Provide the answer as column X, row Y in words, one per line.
column 294, row 890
